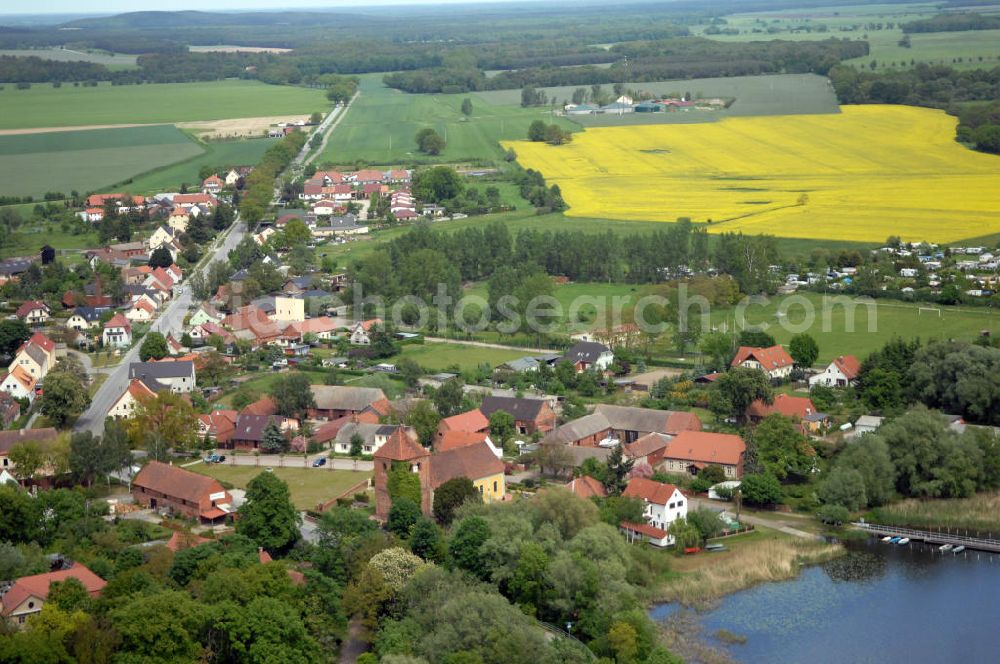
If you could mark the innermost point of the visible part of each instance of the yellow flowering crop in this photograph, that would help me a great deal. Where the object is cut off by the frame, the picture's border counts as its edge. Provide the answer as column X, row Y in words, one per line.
column 863, row 174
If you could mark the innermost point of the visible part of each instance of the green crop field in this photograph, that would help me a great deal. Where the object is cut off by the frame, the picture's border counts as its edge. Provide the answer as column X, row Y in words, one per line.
column 783, row 94
column 381, row 124
column 87, row 160
column 308, row 486
column 109, row 60
column 68, row 106
column 217, row 154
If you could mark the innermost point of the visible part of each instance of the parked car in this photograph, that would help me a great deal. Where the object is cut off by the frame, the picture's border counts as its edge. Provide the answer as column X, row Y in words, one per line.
column 215, row 458
column 319, row 462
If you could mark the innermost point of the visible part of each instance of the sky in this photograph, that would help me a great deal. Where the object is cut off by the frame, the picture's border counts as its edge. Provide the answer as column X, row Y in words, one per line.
column 120, row 6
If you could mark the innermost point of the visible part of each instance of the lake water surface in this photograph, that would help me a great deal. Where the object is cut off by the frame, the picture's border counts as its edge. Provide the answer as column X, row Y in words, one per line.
column 879, row 603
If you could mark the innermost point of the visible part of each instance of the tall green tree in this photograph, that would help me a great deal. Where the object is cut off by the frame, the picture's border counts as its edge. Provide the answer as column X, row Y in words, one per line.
column 65, row 397
column 154, row 346
column 804, row 350
column 741, row 386
column 619, row 468
column 13, row 333
column 451, row 495
column 268, row 516
column 293, row 395
column 782, row 449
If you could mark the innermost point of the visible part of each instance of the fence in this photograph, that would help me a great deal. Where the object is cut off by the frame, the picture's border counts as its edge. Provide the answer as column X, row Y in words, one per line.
column 322, row 507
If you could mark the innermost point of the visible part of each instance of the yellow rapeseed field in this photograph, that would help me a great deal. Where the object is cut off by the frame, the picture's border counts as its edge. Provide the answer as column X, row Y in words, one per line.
column 864, row 174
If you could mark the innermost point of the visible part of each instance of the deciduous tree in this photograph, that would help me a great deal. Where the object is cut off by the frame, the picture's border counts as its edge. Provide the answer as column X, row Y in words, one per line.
column 268, row 516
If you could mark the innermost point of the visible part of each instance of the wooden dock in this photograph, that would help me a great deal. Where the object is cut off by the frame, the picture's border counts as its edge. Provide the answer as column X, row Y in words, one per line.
column 937, row 537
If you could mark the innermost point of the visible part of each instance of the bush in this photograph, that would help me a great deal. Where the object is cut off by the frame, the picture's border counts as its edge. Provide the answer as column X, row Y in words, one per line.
column 833, row 514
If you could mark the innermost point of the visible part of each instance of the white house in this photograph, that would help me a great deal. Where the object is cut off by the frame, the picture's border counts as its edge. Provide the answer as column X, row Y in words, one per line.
column 19, row 384
column 361, row 332
column 141, row 312
column 774, row 361
column 842, row 372
column 586, row 355
column 124, row 406
column 117, row 332
column 664, row 502
column 34, row 312
column 179, row 376
column 84, row 318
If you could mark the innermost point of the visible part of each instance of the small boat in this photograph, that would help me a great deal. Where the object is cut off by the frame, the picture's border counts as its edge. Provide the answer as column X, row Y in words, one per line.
column 905, row 540
column 945, row 547
column 715, row 547
column 887, row 538
column 894, row 540
column 958, row 549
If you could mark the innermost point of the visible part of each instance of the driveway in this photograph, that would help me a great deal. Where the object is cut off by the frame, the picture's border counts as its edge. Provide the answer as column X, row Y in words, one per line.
column 171, row 319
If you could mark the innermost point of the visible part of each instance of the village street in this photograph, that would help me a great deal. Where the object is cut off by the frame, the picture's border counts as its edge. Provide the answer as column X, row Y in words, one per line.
column 170, row 320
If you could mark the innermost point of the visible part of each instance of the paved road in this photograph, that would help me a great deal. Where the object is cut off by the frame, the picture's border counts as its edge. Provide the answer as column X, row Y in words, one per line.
column 171, row 319
column 275, row 461
column 326, row 128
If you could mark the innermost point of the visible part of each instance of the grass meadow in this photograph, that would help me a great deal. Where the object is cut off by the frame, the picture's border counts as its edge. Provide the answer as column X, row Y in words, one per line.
column 308, row 486
column 979, row 513
column 217, row 154
column 69, row 106
column 381, row 124
column 87, row 160
column 781, row 94
column 441, row 356
column 862, row 175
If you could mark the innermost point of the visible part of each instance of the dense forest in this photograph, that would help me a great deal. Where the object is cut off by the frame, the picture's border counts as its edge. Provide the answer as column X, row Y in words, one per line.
column 953, row 23
column 680, row 58
column 973, row 95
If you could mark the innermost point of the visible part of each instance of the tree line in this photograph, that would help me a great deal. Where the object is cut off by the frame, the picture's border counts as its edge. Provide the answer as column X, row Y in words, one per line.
column 957, row 22
column 658, row 60
column 259, row 189
column 933, row 86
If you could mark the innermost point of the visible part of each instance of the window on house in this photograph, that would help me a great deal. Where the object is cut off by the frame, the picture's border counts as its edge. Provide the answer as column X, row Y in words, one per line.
column 480, row 489
column 680, row 503
column 671, row 506
column 494, row 486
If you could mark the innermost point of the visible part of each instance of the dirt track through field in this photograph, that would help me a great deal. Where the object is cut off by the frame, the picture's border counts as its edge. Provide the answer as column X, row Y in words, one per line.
column 46, row 130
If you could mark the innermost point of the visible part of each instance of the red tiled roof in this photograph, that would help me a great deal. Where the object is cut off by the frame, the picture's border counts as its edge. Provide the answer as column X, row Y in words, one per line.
column 705, row 447
column 647, row 444
column 649, row 490
column 263, row 406
column 469, row 421
column 400, row 447
column 452, row 440
column 586, row 486
column 472, row 461
column 42, row 341
column 849, row 365
column 118, row 320
column 38, row 585
column 794, row 407
column 30, row 306
column 644, row 529
column 770, row 359
column 176, row 482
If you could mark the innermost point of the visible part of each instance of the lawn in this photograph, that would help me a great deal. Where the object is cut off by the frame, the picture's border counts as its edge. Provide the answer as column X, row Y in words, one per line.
column 66, row 106
column 381, row 124
column 87, row 160
column 217, row 154
column 308, row 486
column 441, row 356
column 833, row 331
column 30, row 239
column 863, row 175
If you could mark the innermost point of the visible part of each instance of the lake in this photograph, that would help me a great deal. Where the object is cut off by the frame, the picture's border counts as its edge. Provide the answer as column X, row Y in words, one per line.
column 879, row 603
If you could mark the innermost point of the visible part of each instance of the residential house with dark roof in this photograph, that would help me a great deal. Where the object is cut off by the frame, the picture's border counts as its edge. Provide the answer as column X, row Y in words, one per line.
column 530, row 415
column 28, row 594
column 336, row 401
column 179, row 376
column 249, row 431
column 162, row 486
column 612, row 425
column 774, row 361
column 84, row 319
column 586, row 355
column 373, row 436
